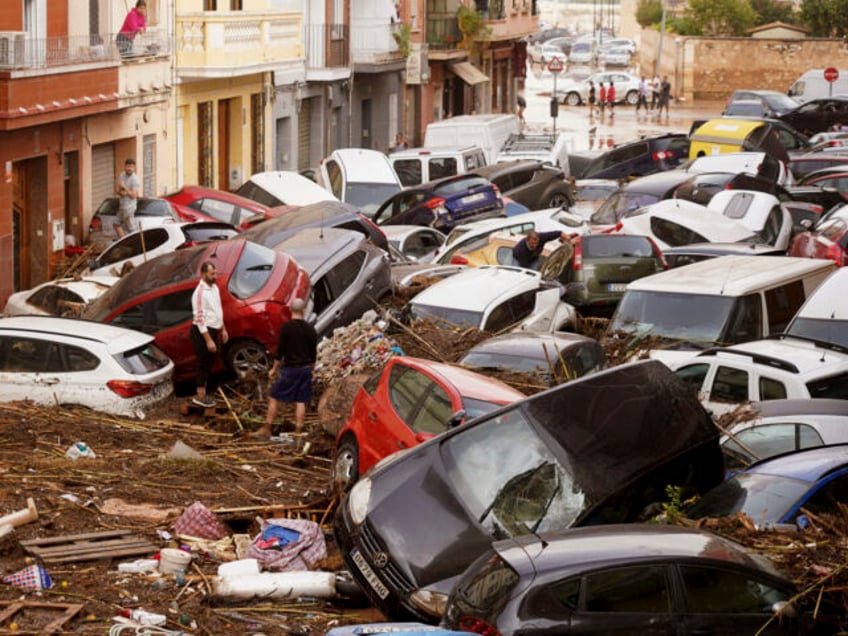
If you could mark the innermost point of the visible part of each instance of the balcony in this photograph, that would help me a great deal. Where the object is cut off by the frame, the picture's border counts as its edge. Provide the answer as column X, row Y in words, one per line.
column 373, row 42
column 218, row 44
column 21, row 53
column 443, row 31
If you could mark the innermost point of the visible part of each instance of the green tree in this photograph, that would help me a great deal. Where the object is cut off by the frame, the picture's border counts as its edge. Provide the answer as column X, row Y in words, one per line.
column 773, row 11
column 720, row 17
column 649, row 12
column 825, row 18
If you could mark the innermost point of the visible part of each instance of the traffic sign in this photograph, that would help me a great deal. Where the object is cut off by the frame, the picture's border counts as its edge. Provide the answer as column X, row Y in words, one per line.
column 830, row 74
column 555, row 65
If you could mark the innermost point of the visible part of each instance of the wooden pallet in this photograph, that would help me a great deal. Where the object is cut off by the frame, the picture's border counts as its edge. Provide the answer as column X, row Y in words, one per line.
column 88, row 547
column 69, row 610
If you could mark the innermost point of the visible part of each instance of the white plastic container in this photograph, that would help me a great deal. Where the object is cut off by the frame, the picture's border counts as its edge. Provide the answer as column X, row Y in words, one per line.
column 241, row 567
column 277, row 585
column 172, row 560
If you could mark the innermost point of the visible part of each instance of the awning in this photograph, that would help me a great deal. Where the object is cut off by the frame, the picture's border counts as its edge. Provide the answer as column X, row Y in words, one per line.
column 469, row 73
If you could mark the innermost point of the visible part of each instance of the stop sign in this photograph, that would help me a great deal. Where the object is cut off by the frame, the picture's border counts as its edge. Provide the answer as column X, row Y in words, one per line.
column 831, row 74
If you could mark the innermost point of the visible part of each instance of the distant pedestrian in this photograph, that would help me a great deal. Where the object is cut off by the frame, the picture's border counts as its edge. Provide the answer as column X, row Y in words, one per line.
column 208, row 333
column 591, row 99
column 128, row 190
column 656, row 85
column 643, row 95
column 522, row 106
column 611, row 99
column 602, row 98
column 665, row 97
column 134, row 23
column 296, row 352
column 400, row 143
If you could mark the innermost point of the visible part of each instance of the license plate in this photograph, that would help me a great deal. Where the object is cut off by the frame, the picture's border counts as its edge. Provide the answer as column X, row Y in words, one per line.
column 368, row 573
column 617, row 287
column 473, row 198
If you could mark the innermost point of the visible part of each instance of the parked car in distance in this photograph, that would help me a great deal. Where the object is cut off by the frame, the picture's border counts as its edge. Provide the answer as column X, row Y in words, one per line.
column 583, row 52
column 827, row 239
column 54, row 361
column 581, row 453
column 824, row 315
column 362, row 177
column 257, row 286
column 443, row 204
column 817, row 115
column 209, row 204
column 494, row 298
column 637, row 158
column 59, row 297
column 616, row 57
column 633, row 578
column 554, row 358
column 747, row 108
column 144, row 245
column 532, row 183
column 774, row 490
column 544, row 52
column 416, row 242
column 348, row 273
column 766, row 429
column 595, row 269
column 773, row 102
column 283, row 187
column 323, row 214
column 409, row 401
column 618, row 43
column 770, row 369
column 148, row 213
column 626, row 88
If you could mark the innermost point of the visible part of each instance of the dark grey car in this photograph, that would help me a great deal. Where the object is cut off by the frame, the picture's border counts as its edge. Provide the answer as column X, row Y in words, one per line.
column 349, row 274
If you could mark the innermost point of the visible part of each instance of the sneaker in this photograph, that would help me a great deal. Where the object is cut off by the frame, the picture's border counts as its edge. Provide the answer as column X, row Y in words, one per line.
column 206, row 401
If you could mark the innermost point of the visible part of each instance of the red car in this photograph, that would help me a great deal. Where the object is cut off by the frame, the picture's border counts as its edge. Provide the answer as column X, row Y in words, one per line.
column 410, row 401
column 257, row 286
column 196, row 203
column 828, row 239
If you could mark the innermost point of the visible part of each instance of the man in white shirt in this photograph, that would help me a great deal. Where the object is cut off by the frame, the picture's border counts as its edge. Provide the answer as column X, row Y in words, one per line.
column 208, row 332
column 128, row 190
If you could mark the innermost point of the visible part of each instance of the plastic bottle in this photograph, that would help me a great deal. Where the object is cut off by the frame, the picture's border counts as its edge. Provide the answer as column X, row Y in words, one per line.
column 143, row 617
column 80, row 449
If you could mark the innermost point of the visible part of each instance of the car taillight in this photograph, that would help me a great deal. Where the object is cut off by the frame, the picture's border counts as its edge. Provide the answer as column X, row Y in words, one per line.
column 458, row 260
column 435, row 202
column 128, row 388
column 375, row 229
column 836, row 254
column 187, row 244
column 96, row 224
column 659, row 155
column 478, row 626
column 578, row 255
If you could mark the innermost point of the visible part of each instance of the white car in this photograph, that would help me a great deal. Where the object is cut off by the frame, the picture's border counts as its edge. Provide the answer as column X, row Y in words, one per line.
column 415, row 242
column 545, row 52
column 676, row 222
column 540, row 220
column 617, row 57
column 759, row 163
column 495, row 298
column 149, row 213
column 626, row 88
column 618, row 43
column 55, row 361
column 143, row 245
column 771, row 369
column 773, row 427
column 760, row 212
column 60, row 297
column 283, row 187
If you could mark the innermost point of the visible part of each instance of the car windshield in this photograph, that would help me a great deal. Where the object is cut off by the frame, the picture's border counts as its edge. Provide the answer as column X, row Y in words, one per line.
column 619, row 204
column 252, row 271
column 825, row 330
column 526, row 491
column 449, row 314
column 143, row 360
column 764, row 498
column 475, row 408
column 697, row 318
column 367, row 197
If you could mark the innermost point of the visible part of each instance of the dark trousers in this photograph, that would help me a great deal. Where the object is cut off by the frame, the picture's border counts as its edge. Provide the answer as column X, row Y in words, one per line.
column 125, row 44
column 205, row 358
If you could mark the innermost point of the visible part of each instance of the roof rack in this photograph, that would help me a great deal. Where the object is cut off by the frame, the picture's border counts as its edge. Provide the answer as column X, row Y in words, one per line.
column 758, row 358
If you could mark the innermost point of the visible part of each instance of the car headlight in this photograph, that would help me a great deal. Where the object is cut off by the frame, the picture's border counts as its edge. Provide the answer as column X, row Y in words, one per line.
column 431, row 602
column 357, row 500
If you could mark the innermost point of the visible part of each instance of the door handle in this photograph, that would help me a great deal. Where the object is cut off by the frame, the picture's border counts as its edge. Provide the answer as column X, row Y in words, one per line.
column 47, row 380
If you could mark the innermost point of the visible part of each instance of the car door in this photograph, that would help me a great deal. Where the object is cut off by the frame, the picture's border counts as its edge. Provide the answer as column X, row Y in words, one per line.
column 341, row 293
column 767, row 440
column 526, row 189
column 28, row 370
column 727, row 389
column 135, row 248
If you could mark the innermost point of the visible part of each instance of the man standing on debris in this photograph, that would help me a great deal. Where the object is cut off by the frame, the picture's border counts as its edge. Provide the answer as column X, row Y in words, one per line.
column 208, row 332
column 527, row 252
column 297, row 347
column 127, row 189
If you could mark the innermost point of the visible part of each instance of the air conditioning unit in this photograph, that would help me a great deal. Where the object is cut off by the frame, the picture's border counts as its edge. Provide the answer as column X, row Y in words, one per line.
column 12, row 48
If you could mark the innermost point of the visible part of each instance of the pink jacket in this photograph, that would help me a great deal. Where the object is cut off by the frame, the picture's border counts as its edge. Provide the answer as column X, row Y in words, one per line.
column 133, row 23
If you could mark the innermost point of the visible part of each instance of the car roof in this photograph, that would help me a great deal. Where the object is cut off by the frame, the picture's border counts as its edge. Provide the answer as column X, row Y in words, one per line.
column 732, row 275
column 693, row 216
column 829, row 300
column 789, row 354
column 657, row 183
column 800, row 406
column 312, row 247
column 504, row 167
column 468, row 383
column 116, row 339
column 574, row 550
column 314, row 214
column 807, row 465
column 530, row 344
column 476, row 288
column 723, row 249
column 298, row 189
column 202, row 192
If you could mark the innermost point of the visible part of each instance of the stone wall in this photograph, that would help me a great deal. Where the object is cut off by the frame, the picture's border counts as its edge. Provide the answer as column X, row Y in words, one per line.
column 702, row 68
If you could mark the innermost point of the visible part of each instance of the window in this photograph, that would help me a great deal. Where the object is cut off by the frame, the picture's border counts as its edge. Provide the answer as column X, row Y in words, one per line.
column 829, row 497
column 674, row 234
column 693, row 375
column 835, row 387
column 133, row 245
column 730, row 385
column 434, row 413
column 636, row 589
column 511, row 311
column 406, row 389
column 24, row 355
column 53, row 299
column 442, row 167
column 334, row 176
column 158, row 313
column 771, row 389
column 220, row 210
column 746, row 320
column 714, row 591
column 768, row 440
column 782, row 304
column 344, row 274
column 408, row 171
column 77, row 358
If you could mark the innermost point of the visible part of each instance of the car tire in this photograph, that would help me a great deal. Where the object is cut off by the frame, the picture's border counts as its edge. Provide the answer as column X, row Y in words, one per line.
column 559, row 199
column 248, row 356
column 572, row 99
column 631, row 98
column 346, row 463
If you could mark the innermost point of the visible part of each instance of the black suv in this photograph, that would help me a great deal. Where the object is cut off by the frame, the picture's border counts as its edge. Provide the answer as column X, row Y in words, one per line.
column 531, row 183
column 645, row 155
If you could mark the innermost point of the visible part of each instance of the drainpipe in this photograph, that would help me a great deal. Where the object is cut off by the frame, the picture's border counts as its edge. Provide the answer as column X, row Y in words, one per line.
column 660, row 46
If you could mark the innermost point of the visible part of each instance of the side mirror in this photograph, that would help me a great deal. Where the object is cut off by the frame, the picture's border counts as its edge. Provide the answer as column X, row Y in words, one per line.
column 457, row 418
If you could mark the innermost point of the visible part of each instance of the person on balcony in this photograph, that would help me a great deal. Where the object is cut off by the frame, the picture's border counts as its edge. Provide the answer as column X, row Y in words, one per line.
column 134, row 23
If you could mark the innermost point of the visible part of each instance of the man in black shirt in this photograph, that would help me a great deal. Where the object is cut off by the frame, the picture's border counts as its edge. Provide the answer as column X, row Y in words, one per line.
column 528, row 251
column 297, row 348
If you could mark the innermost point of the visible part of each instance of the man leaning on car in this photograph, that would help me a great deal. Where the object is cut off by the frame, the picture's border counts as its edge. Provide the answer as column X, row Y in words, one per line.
column 527, row 252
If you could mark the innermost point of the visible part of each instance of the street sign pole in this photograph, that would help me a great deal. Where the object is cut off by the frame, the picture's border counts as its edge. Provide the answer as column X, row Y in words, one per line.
column 555, row 99
column 555, row 66
column 831, row 74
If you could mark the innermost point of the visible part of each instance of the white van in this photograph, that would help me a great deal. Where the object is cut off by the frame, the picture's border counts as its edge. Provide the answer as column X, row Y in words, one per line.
column 720, row 301
column 490, row 132
column 415, row 166
column 813, row 85
column 824, row 317
column 361, row 177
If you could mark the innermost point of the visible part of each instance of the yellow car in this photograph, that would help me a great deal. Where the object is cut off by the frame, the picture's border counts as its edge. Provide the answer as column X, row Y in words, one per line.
column 495, row 249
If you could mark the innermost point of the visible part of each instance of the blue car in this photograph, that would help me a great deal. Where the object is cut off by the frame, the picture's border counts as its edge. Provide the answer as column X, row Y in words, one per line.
column 774, row 490
column 443, row 203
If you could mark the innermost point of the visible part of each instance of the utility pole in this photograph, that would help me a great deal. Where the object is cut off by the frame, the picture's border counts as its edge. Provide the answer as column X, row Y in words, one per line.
column 660, row 45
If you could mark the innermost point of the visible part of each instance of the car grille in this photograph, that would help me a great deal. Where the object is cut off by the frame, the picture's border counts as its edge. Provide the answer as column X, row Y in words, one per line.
column 370, row 544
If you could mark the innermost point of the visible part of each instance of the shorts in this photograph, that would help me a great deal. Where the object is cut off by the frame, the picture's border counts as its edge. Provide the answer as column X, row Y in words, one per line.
column 127, row 219
column 294, row 384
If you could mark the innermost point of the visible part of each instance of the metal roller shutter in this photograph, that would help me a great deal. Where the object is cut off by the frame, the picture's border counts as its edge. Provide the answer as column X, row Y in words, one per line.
column 304, row 123
column 103, row 173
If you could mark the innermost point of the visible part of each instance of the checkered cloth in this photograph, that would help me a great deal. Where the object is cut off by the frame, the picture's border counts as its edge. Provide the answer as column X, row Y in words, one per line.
column 198, row 521
column 33, row 577
column 301, row 554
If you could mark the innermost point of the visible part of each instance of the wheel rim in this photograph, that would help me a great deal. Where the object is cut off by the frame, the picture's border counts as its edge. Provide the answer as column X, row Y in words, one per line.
column 344, row 466
column 572, row 99
column 557, row 200
column 249, row 357
column 632, row 97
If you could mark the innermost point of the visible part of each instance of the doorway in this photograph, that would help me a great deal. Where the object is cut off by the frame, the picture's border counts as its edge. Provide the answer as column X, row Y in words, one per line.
column 224, row 144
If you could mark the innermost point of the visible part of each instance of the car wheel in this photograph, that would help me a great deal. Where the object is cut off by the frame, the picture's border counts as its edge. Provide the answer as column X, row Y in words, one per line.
column 558, row 200
column 632, row 97
column 248, row 356
column 572, row 99
column 346, row 464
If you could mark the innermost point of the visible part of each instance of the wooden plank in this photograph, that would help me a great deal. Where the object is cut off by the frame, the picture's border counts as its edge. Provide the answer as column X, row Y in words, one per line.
column 69, row 610
column 93, row 548
column 89, row 546
column 75, row 537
